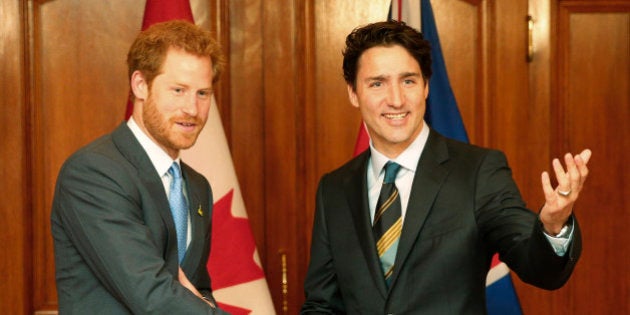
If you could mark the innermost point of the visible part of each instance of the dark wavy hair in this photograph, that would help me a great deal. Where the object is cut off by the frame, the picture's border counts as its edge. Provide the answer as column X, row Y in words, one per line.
column 388, row 33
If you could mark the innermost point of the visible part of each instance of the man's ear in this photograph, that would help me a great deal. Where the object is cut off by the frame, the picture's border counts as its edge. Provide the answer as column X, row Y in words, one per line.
column 352, row 95
column 139, row 85
column 426, row 89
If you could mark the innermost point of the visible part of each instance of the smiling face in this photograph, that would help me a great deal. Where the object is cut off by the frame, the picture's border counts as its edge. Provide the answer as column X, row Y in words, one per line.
column 174, row 109
column 391, row 94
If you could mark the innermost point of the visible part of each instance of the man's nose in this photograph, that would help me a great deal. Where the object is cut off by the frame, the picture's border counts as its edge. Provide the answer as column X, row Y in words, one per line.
column 395, row 96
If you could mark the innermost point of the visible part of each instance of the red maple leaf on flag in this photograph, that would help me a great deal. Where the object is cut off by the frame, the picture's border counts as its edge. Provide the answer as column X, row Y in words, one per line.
column 231, row 259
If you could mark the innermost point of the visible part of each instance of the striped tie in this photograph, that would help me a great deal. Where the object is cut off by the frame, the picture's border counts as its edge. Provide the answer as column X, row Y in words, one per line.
column 388, row 221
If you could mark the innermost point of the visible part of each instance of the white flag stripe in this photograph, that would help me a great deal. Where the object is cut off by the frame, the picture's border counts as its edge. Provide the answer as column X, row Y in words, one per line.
column 497, row 272
column 410, row 13
column 200, row 11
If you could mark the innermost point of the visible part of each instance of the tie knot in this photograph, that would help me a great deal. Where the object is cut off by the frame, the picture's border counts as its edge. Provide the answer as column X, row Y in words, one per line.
column 174, row 171
column 391, row 169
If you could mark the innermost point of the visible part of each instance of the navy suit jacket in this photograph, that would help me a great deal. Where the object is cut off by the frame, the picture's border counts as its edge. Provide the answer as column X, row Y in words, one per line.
column 464, row 206
column 114, row 236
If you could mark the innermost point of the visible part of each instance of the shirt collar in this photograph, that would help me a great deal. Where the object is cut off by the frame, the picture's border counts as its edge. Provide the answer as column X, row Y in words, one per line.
column 159, row 158
column 408, row 159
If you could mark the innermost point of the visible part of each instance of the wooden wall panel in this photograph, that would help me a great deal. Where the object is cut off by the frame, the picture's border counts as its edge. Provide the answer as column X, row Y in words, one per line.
column 513, row 124
column 247, row 124
column 596, row 75
column 596, row 106
column 14, row 184
column 281, row 129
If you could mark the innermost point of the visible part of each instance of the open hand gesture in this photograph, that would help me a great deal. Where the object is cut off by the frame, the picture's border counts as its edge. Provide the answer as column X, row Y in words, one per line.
column 559, row 201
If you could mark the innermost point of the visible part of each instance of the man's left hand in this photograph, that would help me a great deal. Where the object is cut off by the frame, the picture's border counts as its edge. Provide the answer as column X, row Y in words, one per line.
column 559, row 201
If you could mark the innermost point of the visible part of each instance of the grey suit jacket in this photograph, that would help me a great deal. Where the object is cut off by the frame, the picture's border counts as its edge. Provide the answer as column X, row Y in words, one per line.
column 114, row 236
column 464, row 206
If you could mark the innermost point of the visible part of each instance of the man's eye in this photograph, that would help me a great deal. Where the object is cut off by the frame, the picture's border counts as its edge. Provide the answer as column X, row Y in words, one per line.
column 376, row 84
column 178, row 90
column 204, row 94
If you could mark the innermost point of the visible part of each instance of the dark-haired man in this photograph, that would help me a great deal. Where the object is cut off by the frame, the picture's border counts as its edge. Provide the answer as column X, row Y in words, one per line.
column 410, row 225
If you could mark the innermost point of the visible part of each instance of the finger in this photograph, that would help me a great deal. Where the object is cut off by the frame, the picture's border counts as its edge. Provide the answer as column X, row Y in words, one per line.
column 585, row 155
column 546, row 186
column 582, row 168
column 561, row 176
column 569, row 160
column 183, row 280
column 572, row 172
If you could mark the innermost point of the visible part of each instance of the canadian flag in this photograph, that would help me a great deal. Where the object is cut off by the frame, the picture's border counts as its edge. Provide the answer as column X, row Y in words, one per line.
column 238, row 280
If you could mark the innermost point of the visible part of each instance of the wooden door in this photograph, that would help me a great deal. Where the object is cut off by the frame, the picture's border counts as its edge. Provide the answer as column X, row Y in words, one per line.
column 14, row 235
column 580, row 84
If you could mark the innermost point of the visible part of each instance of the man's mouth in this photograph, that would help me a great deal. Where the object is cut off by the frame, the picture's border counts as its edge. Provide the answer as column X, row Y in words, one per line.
column 395, row 116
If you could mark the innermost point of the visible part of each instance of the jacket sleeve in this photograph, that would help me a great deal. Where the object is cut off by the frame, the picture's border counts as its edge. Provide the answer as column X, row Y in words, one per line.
column 514, row 231
column 320, row 286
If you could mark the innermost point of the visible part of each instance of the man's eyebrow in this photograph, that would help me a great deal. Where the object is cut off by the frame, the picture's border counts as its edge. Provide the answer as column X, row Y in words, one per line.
column 184, row 85
column 409, row 74
column 382, row 77
column 177, row 83
column 376, row 78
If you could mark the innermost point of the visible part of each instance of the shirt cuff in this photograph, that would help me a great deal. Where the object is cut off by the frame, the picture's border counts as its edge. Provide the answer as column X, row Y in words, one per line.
column 560, row 243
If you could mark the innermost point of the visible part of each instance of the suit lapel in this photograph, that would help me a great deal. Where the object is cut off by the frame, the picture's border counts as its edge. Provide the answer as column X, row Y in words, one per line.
column 355, row 188
column 131, row 149
column 428, row 180
column 197, row 209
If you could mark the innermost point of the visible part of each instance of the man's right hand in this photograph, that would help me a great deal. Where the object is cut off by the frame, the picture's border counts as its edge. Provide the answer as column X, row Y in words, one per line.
column 188, row 285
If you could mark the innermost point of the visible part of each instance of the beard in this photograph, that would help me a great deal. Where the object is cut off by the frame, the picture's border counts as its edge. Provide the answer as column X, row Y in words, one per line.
column 160, row 128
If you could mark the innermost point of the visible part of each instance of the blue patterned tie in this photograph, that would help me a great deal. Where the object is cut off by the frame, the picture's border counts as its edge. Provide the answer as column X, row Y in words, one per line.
column 388, row 221
column 177, row 202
